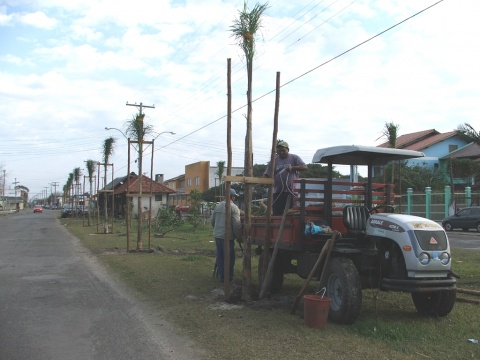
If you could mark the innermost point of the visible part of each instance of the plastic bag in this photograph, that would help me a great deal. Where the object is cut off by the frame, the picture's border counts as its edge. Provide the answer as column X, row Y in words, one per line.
column 312, row 229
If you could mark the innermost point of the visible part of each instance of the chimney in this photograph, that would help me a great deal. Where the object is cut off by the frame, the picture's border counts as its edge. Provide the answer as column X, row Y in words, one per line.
column 159, row 178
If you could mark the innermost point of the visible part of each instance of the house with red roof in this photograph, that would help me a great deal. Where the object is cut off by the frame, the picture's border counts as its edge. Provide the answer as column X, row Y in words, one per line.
column 154, row 195
column 438, row 147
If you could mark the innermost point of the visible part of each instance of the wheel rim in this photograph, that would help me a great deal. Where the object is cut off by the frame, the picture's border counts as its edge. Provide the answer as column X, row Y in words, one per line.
column 334, row 291
column 448, row 227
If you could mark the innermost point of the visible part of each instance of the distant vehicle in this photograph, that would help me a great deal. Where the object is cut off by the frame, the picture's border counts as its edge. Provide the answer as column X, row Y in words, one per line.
column 179, row 209
column 67, row 211
column 465, row 219
column 37, row 208
column 82, row 209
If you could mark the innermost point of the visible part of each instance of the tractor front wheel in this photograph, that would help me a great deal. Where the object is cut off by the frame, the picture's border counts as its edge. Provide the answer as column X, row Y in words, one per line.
column 438, row 303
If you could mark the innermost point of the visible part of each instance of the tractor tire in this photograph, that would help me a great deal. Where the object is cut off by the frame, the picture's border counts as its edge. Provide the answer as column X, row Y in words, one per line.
column 435, row 303
column 343, row 286
column 276, row 281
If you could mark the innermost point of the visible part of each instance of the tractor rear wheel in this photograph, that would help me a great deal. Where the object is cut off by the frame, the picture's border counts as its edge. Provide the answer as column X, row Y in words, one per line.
column 343, row 286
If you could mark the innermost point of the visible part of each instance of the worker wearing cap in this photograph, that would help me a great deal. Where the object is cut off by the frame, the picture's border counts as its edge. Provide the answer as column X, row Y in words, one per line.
column 287, row 168
column 218, row 221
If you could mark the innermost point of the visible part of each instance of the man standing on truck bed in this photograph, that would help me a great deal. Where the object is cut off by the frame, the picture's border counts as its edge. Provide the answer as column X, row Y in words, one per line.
column 287, row 167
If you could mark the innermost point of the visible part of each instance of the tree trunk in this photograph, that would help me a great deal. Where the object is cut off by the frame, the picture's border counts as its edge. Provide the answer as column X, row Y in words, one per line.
column 139, row 210
column 105, row 204
column 247, row 255
column 89, row 207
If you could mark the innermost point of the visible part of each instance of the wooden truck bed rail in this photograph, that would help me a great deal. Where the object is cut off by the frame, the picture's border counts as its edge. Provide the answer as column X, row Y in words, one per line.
column 309, row 205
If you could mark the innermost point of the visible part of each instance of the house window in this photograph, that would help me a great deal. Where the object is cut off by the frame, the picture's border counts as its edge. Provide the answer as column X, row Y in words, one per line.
column 158, row 197
column 197, row 180
column 452, row 148
column 189, row 182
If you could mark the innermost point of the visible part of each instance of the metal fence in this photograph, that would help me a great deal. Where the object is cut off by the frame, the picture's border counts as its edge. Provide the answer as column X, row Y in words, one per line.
column 435, row 206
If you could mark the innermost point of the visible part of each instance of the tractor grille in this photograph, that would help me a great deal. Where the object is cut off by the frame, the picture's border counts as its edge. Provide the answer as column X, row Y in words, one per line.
column 432, row 240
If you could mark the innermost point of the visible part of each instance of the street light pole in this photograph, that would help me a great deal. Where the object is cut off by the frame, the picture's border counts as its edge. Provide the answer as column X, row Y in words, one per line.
column 113, row 128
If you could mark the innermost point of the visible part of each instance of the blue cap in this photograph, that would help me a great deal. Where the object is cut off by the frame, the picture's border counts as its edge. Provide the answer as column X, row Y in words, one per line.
column 233, row 192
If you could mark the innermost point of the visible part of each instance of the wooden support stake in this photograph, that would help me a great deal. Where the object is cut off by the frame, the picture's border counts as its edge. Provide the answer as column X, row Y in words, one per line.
column 327, row 248
column 465, row 300
column 268, row 274
column 468, row 291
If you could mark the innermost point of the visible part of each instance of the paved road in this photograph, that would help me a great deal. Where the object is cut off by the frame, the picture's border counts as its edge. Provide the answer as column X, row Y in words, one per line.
column 464, row 239
column 56, row 302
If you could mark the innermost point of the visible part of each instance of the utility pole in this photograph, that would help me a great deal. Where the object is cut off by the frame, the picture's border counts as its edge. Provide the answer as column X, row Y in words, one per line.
column 55, row 183
column 17, row 206
column 140, row 160
column 3, row 192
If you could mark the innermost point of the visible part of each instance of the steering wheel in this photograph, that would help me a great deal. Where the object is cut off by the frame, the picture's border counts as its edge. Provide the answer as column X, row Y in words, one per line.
column 387, row 208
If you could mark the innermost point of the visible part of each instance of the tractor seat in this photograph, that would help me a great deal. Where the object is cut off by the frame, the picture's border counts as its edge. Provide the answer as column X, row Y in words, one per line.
column 355, row 219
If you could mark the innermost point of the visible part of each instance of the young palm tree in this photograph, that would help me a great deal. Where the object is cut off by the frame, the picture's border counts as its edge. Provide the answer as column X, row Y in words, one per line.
column 77, row 172
column 65, row 193
column 90, row 164
column 390, row 132
column 220, row 170
column 137, row 130
column 244, row 30
column 70, row 188
column 108, row 146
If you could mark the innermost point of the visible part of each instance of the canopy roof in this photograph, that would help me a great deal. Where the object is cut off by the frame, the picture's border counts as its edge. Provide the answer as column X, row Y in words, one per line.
column 362, row 155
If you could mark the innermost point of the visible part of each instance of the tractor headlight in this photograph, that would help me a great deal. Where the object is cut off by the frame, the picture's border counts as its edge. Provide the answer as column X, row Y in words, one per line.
column 444, row 258
column 424, row 258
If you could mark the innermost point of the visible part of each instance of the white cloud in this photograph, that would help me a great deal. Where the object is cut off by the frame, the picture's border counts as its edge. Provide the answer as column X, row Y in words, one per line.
column 101, row 54
column 38, row 19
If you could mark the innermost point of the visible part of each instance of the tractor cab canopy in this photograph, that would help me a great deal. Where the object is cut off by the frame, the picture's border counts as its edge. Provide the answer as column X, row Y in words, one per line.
column 369, row 156
column 362, row 155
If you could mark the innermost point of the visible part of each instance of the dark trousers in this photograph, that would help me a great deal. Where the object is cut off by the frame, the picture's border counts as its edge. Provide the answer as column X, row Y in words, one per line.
column 220, row 257
column 279, row 202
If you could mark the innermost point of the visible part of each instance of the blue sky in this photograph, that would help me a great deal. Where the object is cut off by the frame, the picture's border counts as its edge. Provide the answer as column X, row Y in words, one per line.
column 68, row 68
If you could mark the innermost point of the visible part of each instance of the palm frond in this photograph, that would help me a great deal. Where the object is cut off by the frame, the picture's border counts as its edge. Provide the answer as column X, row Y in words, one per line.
column 390, row 132
column 468, row 130
column 137, row 129
column 77, row 172
column 246, row 26
column 90, row 164
column 108, row 146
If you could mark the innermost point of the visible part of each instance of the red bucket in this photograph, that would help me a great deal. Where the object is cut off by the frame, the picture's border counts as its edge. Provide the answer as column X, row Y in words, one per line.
column 315, row 310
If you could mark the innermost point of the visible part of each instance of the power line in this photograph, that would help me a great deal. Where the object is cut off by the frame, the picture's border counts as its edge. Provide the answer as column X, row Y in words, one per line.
column 307, row 72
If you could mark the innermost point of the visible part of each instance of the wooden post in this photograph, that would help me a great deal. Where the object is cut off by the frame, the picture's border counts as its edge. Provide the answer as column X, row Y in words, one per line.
column 228, row 210
column 127, row 199
column 268, row 230
column 268, row 273
column 150, row 201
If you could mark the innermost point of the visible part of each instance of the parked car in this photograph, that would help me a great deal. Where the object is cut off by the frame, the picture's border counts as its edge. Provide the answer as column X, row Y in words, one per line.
column 82, row 209
column 465, row 219
column 37, row 208
column 182, row 209
column 67, row 210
